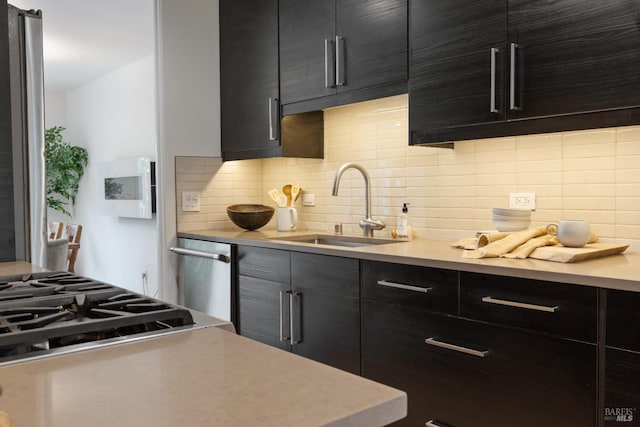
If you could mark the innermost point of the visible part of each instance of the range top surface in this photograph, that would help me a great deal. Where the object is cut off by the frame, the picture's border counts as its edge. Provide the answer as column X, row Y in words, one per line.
column 41, row 312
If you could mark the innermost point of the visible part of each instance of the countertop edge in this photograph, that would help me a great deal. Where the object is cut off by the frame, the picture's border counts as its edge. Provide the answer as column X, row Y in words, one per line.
column 449, row 258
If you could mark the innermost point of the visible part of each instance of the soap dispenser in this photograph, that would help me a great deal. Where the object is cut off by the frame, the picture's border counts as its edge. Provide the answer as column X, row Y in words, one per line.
column 403, row 222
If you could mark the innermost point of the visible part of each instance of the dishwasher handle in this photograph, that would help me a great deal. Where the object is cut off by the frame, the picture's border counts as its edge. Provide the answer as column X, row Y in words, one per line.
column 209, row 255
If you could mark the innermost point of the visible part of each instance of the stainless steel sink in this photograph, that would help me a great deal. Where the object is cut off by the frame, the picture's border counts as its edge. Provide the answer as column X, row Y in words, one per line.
column 335, row 240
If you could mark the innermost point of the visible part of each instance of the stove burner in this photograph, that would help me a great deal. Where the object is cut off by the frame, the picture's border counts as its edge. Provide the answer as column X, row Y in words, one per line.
column 45, row 311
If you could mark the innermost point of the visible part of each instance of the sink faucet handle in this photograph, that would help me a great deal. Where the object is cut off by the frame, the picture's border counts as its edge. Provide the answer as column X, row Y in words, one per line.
column 370, row 224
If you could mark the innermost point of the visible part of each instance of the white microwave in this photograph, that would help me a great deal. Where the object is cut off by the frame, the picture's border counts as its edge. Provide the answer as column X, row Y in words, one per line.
column 129, row 187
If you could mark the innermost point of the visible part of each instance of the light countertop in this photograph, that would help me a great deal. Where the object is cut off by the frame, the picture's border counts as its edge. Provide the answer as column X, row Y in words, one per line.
column 206, row 377
column 620, row 271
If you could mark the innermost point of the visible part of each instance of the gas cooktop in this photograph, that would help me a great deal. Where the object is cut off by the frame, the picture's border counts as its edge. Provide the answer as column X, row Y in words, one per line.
column 44, row 313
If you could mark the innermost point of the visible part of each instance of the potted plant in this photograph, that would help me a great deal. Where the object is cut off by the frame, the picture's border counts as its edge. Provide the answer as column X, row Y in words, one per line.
column 65, row 165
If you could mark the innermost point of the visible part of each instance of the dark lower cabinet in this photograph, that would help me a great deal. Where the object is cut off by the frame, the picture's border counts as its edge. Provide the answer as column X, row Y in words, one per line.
column 305, row 303
column 622, row 388
column 464, row 373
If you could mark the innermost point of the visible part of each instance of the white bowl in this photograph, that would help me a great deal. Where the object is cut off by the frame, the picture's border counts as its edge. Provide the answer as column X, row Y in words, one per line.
column 502, row 225
column 512, row 212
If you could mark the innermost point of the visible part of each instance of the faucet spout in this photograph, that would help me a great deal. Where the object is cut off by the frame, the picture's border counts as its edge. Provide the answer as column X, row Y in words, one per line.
column 368, row 224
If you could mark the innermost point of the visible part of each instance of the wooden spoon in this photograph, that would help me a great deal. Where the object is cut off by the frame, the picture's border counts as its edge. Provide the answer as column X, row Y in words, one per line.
column 287, row 192
column 295, row 192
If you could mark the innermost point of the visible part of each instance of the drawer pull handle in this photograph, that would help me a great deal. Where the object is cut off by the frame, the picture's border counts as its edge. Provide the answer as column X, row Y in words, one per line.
column 403, row 286
column 477, row 353
column 434, row 423
column 524, row 305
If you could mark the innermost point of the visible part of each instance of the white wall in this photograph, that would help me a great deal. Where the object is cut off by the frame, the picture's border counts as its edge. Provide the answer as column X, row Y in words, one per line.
column 55, row 109
column 114, row 117
column 188, row 106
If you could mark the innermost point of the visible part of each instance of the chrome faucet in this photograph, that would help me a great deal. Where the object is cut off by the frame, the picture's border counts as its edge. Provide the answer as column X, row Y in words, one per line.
column 367, row 224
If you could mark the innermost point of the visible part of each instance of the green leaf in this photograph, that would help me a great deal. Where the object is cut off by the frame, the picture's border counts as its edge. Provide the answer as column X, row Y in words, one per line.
column 65, row 166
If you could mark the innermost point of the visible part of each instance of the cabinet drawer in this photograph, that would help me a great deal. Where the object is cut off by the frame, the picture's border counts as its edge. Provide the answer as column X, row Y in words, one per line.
column 423, row 287
column 328, row 274
column 267, row 264
column 555, row 308
column 483, row 375
column 623, row 320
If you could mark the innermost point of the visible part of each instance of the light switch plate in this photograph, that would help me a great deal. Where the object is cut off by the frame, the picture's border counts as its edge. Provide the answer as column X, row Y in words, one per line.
column 308, row 199
column 190, row 201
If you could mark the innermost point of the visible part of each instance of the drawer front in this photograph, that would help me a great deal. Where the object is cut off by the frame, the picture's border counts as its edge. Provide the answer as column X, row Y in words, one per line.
column 623, row 320
column 622, row 389
column 473, row 374
column 555, row 308
column 328, row 274
column 423, row 287
column 263, row 263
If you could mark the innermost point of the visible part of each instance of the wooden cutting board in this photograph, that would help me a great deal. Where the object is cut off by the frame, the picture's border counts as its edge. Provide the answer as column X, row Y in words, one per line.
column 562, row 254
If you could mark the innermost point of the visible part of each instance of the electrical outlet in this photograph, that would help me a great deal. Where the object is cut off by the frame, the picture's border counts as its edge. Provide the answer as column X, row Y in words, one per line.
column 308, row 199
column 522, row 201
column 190, row 201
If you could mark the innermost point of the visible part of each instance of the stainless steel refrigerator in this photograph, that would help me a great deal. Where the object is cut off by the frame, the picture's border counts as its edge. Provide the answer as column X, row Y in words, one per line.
column 23, row 173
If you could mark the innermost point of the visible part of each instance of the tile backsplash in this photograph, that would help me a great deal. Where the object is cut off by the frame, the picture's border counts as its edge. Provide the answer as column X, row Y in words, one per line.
column 591, row 174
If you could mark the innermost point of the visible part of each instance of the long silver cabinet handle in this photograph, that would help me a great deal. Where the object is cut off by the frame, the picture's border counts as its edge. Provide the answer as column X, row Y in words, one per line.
column 512, row 78
column 434, row 423
column 327, row 84
column 492, row 300
column 339, row 61
column 209, row 255
column 292, row 319
column 436, row 343
column 282, row 332
column 492, row 106
column 403, row 286
column 274, row 115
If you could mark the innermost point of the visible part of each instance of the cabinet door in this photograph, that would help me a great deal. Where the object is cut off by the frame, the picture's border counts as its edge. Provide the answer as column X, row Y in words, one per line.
column 249, row 78
column 575, row 55
column 263, row 311
column 263, row 295
column 307, row 49
column 372, row 48
column 326, row 314
column 623, row 320
column 622, row 388
column 495, row 377
column 458, row 55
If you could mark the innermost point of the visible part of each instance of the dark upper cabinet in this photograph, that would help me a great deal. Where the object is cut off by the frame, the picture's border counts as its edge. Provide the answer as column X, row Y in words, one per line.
column 574, row 55
column 307, row 29
column 331, row 47
column 510, row 67
column 249, row 78
column 250, row 109
column 457, row 57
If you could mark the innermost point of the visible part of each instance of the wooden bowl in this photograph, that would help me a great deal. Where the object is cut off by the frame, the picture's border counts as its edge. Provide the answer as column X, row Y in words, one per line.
column 250, row 217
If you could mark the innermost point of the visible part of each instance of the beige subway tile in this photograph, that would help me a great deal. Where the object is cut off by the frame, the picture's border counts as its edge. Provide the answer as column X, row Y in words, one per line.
column 589, row 190
column 628, row 204
column 581, row 151
column 588, row 137
column 628, row 134
column 628, row 162
column 589, row 203
column 627, row 190
column 623, row 231
column 590, row 164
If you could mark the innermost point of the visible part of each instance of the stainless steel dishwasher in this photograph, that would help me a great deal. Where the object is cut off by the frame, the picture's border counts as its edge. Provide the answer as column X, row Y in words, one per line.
column 205, row 280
